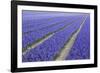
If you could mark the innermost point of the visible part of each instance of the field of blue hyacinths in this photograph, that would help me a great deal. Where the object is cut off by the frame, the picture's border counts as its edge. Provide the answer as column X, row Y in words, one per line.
column 54, row 36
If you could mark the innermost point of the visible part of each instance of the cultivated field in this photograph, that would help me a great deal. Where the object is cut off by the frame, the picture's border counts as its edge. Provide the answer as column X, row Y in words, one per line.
column 50, row 36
